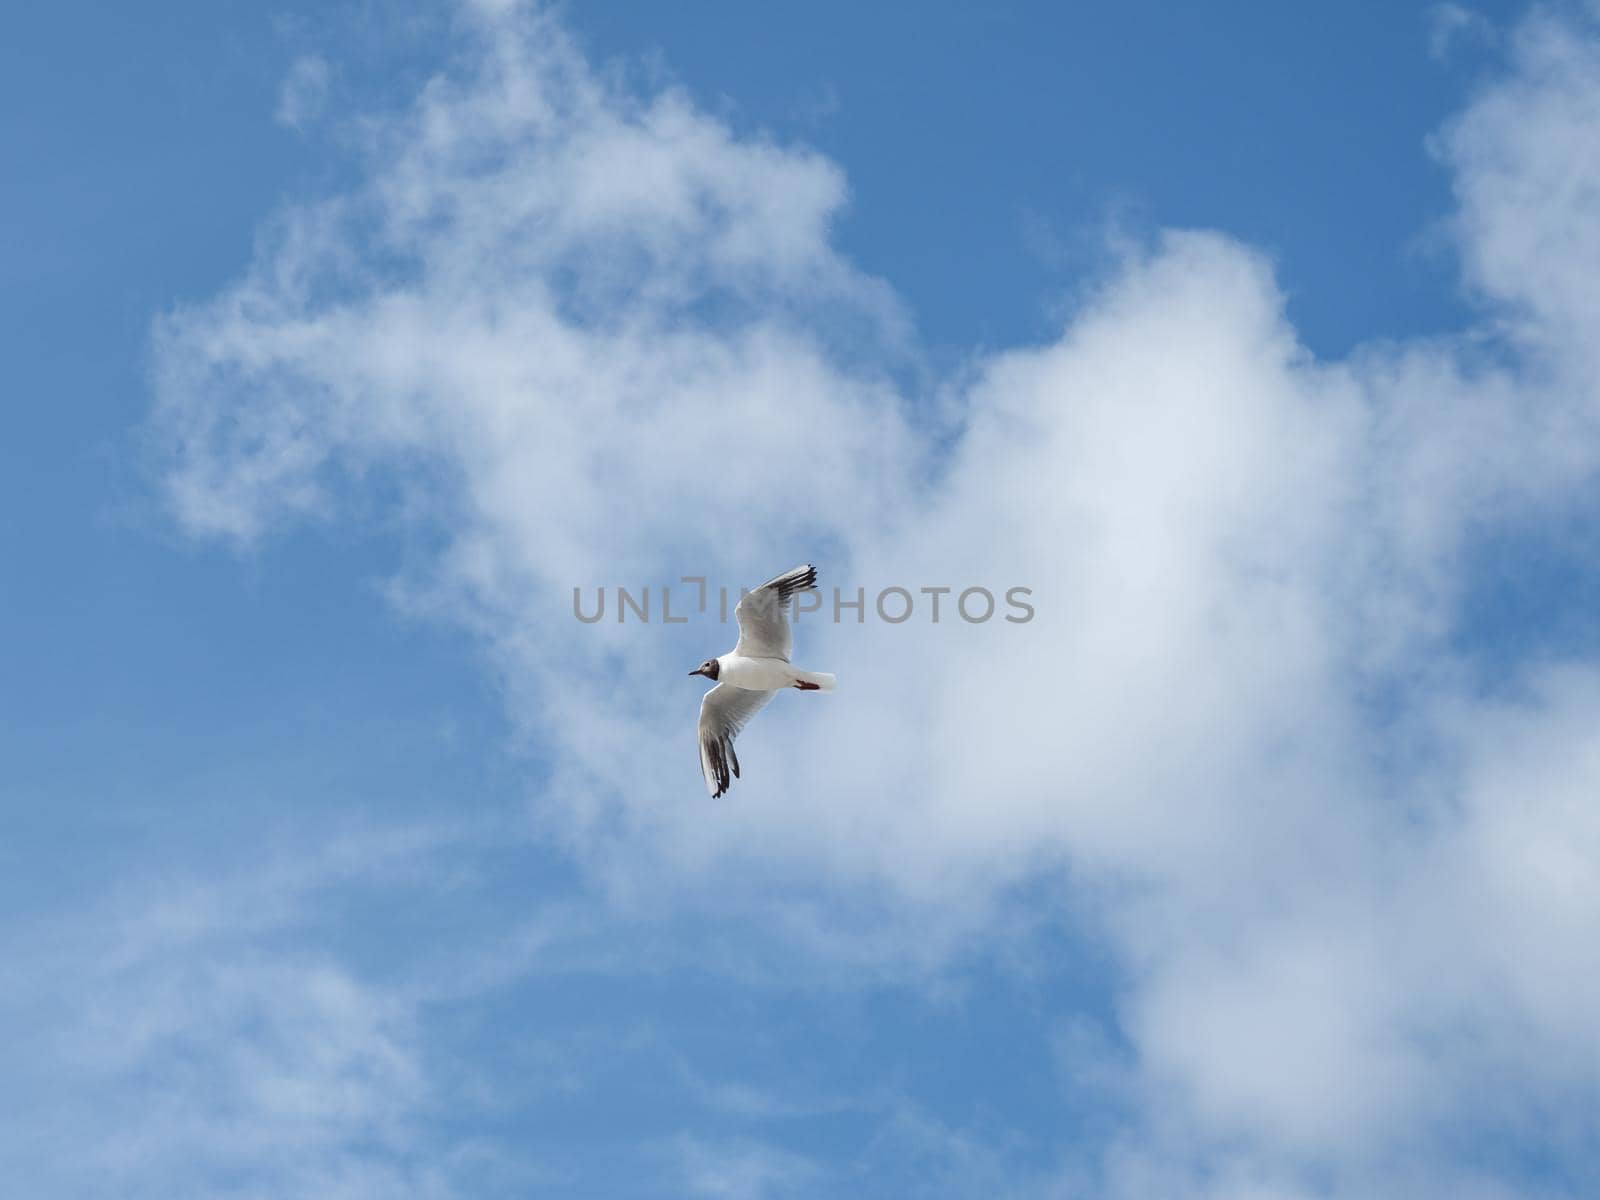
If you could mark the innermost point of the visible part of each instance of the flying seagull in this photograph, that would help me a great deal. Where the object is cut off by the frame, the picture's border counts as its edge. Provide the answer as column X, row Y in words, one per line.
column 752, row 673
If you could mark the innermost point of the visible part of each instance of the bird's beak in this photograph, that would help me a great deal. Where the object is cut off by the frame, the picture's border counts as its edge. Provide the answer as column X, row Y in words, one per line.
column 698, row 671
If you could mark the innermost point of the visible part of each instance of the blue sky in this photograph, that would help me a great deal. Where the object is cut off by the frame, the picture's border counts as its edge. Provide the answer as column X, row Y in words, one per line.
column 347, row 340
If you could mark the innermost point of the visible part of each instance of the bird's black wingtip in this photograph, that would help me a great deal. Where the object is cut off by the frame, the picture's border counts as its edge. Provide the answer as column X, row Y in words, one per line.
column 800, row 579
column 717, row 754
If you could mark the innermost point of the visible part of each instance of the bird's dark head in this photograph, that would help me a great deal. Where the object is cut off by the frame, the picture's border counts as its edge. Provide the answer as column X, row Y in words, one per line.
column 711, row 668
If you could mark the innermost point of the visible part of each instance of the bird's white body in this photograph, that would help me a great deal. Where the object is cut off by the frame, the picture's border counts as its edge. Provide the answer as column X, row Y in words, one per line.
column 752, row 673
column 766, row 674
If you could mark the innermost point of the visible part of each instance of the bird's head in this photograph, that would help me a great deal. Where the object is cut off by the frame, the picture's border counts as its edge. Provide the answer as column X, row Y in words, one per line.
column 710, row 669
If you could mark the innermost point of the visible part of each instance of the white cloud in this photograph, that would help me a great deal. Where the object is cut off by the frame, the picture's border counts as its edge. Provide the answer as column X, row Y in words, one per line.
column 595, row 338
column 1526, row 179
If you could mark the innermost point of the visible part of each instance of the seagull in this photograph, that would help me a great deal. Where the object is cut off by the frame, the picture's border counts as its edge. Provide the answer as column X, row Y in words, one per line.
column 752, row 673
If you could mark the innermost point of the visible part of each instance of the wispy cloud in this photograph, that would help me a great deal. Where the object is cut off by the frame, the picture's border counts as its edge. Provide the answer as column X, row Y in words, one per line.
column 304, row 91
column 1451, row 24
column 188, row 1038
column 743, row 1170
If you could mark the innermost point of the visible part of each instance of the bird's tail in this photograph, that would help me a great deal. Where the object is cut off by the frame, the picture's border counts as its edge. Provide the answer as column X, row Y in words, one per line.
column 817, row 680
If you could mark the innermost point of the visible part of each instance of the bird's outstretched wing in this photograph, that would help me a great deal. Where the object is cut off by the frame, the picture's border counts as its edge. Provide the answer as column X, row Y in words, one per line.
column 723, row 713
column 763, row 614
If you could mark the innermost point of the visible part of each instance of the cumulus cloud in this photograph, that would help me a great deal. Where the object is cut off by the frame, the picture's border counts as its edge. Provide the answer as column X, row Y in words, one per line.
column 591, row 336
